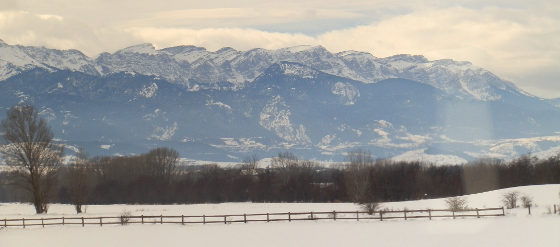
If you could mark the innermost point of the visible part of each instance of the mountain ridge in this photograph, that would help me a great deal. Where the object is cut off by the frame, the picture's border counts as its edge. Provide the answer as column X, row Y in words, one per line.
column 225, row 105
column 195, row 67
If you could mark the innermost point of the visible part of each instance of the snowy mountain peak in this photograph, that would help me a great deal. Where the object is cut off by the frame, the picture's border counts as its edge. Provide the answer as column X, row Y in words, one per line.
column 223, row 55
column 183, row 49
column 295, row 69
column 296, row 49
column 408, row 58
column 187, row 64
column 145, row 48
column 352, row 53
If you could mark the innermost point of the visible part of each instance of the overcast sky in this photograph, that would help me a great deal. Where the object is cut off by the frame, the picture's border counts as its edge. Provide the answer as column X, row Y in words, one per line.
column 518, row 40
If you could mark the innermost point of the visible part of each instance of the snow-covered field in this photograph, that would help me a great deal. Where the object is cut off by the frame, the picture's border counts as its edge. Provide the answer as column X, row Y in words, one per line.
column 516, row 229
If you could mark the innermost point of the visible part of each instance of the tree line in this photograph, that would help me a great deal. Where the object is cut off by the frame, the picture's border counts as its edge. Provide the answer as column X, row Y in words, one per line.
column 157, row 177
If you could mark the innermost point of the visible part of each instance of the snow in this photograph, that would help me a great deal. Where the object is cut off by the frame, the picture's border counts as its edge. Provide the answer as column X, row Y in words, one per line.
column 298, row 70
column 146, row 48
column 238, row 67
column 148, row 91
column 191, row 55
column 436, row 159
column 240, row 144
column 472, row 232
column 544, row 196
column 507, row 149
column 517, row 229
column 347, row 91
column 275, row 116
column 223, row 55
column 106, row 147
column 295, row 49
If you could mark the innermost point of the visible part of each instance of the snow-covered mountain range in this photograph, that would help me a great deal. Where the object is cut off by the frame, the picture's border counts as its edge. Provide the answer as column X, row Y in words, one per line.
column 196, row 67
column 227, row 104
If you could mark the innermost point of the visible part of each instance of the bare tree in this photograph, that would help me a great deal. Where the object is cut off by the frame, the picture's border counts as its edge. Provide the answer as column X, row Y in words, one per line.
column 285, row 165
column 370, row 207
column 526, row 201
column 162, row 163
column 250, row 164
column 30, row 149
column 356, row 176
column 80, row 180
column 284, row 160
column 510, row 199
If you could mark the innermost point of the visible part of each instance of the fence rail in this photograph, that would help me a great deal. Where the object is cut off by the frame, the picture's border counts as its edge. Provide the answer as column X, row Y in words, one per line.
column 262, row 217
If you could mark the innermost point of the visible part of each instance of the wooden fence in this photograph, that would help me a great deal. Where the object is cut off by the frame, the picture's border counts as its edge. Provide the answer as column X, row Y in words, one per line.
column 245, row 218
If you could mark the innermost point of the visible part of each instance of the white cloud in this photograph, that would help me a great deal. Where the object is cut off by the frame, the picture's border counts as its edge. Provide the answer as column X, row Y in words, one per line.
column 215, row 38
column 238, row 17
column 513, row 44
column 55, row 31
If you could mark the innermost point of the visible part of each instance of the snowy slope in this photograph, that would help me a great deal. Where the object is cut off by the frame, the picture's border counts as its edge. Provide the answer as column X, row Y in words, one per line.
column 15, row 59
column 517, row 229
column 544, row 196
column 436, row 159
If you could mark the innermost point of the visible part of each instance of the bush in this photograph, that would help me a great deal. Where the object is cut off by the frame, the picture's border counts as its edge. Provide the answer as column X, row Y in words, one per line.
column 370, row 207
column 510, row 199
column 125, row 217
column 526, row 201
column 456, row 203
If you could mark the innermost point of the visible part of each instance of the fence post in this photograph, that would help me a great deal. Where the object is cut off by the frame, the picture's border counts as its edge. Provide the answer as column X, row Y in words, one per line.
column 225, row 220
column 23, row 219
column 5, row 222
column 554, row 208
column 161, row 219
column 62, row 220
column 245, row 218
column 357, row 215
column 83, row 222
column 430, row 214
column 42, row 222
column 101, row 221
column 477, row 214
column 503, row 211
column 311, row 213
column 381, row 215
column 334, row 214
column 529, row 207
column 182, row 219
column 453, row 214
column 203, row 219
column 289, row 217
column 267, row 217
column 405, row 218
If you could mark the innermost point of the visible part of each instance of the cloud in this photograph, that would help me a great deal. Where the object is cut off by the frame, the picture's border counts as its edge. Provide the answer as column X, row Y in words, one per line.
column 54, row 31
column 512, row 43
column 215, row 38
column 516, row 40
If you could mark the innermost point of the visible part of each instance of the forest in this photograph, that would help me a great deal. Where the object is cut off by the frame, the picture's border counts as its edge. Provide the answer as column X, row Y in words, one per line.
column 156, row 177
